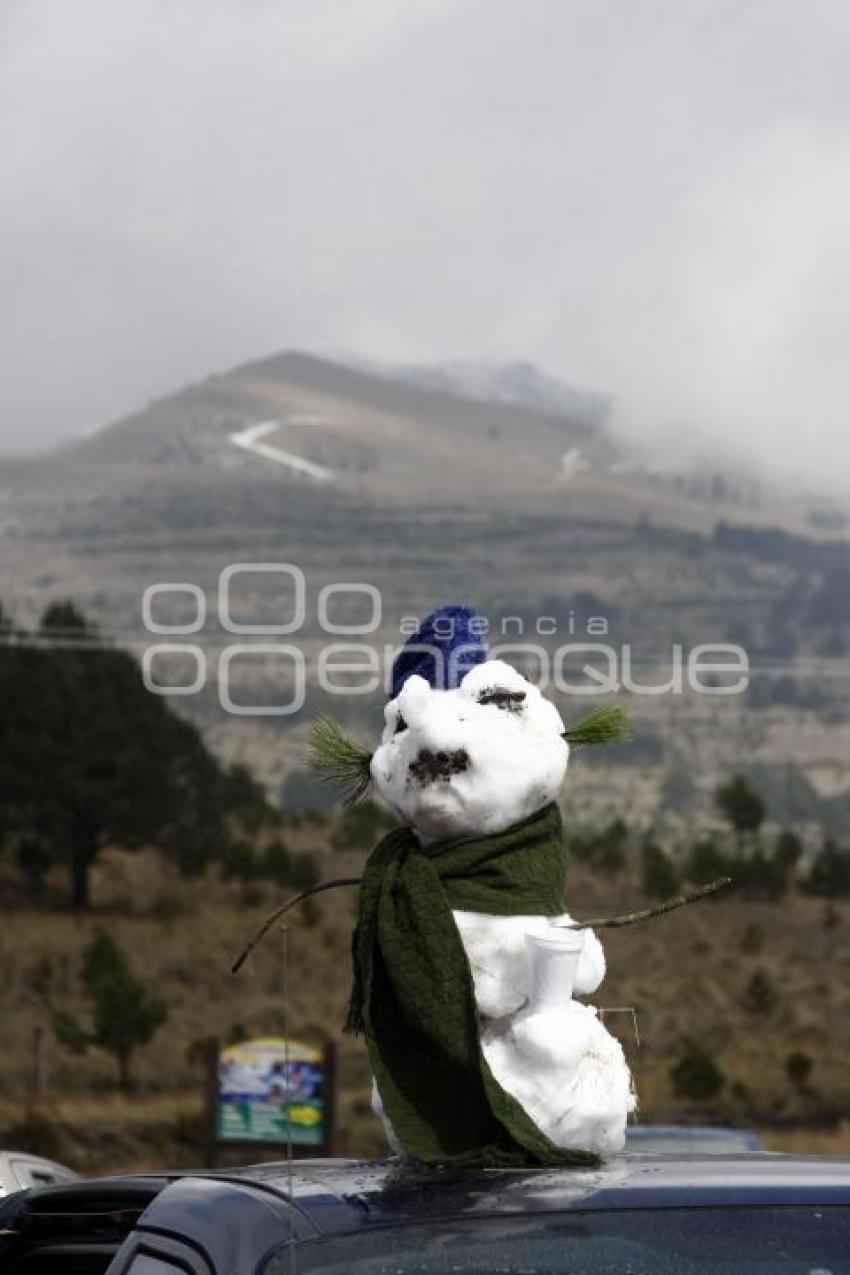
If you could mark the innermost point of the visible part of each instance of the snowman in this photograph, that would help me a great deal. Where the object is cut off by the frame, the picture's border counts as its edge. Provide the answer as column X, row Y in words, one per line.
column 465, row 962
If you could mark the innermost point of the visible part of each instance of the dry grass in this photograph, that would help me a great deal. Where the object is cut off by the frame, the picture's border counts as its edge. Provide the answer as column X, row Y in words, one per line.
column 684, row 974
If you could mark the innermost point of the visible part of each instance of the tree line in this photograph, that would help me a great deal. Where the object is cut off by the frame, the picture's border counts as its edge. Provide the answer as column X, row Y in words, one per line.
column 89, row 758
column 760, row 869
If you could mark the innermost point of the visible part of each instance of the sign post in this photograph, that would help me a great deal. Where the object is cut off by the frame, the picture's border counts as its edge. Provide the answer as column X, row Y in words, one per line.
column 273, row 1092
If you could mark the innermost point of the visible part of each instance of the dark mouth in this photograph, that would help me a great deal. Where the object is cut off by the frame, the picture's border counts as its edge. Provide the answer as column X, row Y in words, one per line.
column 430, row 768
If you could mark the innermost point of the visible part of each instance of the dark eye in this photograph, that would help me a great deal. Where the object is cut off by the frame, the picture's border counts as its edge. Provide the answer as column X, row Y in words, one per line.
column 511, row 701
column 400, row 725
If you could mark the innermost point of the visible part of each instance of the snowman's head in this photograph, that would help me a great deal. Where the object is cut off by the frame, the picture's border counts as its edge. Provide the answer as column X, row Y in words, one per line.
column 470, row 759
column 469, row 746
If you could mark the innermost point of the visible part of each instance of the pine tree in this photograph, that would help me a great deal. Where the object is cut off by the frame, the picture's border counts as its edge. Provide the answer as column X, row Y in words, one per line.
column 741, row 805
column 125, row 1014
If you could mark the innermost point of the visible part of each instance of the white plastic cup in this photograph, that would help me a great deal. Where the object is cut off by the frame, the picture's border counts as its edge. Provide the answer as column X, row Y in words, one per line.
column 554, row 961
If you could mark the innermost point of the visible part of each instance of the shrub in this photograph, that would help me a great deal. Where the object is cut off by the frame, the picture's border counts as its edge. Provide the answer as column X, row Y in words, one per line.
column 194, row 847
column 708, row 860
column 305, row 871
column 659, row 879
column 789, row 849
column 759, row 877
column 695, row 1074
column 760, row 995
column 276, row 863
column 829, row 875
column 798, row 1068
column 239, row 862
column 610, row 850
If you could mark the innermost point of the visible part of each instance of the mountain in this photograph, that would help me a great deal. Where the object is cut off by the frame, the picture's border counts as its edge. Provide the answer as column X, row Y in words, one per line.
column 415, row 483
column 375, row 437
column 471, row 435
column 517, row 382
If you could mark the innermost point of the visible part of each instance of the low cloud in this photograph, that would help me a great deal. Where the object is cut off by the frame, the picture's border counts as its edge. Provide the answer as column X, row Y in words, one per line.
column 650, row 198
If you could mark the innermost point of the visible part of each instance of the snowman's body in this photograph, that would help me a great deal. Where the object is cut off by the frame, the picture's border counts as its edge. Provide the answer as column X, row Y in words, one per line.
column 479, row 759
column 567, row 1071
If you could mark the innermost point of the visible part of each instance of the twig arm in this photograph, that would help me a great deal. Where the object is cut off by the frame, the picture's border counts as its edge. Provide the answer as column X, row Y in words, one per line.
column 279, row 912
column 629, row 918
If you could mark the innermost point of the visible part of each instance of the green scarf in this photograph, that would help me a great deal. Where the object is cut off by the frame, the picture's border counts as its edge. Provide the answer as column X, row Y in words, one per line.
column 413, row 994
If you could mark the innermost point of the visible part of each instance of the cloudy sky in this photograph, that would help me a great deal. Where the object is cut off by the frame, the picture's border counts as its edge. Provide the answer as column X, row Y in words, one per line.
column 651, row 197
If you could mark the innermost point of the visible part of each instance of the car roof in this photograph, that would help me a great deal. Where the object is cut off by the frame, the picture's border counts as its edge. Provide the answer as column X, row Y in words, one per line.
column 681, row 1136
column 689, row 1130
column 349, row 1195
column 326, row 1198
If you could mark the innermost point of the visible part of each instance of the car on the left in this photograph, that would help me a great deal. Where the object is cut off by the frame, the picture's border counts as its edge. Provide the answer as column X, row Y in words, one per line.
column 19, row 1170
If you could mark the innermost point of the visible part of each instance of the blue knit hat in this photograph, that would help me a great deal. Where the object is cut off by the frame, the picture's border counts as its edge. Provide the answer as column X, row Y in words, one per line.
column 447, row 644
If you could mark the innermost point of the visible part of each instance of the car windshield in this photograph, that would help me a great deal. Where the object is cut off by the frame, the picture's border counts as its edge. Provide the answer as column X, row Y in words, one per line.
column 745, row 1241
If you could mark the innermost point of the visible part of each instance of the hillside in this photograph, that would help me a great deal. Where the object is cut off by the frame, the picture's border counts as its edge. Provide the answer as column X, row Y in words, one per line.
column 685, row 975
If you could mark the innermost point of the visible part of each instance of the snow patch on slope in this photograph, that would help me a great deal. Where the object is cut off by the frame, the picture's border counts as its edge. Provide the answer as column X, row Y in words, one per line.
column 251, row 440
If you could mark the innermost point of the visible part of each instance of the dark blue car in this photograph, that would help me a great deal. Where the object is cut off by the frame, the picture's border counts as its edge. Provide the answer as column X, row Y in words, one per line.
column 758, row 1215
column 683, row 1139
